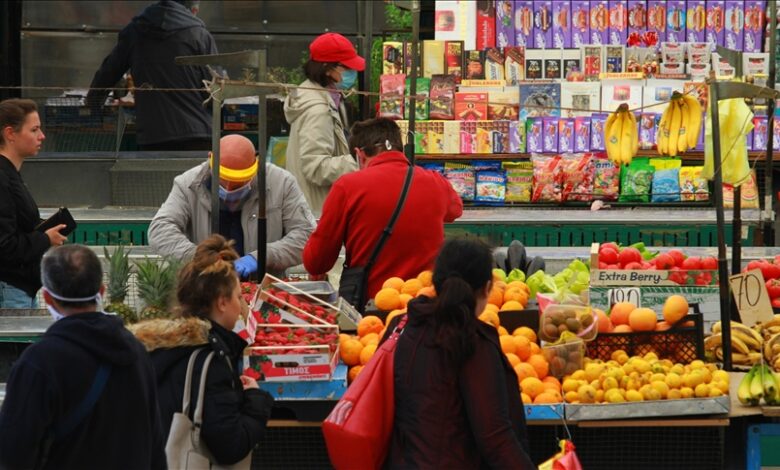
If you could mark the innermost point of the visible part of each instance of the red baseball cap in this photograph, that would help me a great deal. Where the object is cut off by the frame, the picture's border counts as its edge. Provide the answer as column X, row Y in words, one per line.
column 333, row 47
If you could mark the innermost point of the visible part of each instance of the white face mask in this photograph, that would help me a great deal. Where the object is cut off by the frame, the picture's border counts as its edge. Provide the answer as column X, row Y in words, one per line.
column 56, row 315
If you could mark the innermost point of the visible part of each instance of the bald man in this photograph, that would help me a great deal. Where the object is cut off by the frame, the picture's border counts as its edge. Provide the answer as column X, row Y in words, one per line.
column 184, row 219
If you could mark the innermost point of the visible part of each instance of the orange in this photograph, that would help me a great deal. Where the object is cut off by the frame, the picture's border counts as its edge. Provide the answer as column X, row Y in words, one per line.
column 353, row 373
column 642, row 319
column 675, row 308
column 367, row 353
column 532, row 386
column 605, row 324
column 393, row 283
column 524, row 370
column 411, row 286
column 426, row 278
column 428, row 291
column 490, row 317
column 393, row 314
column 511, row 306
column 535, row 349
column 496, row 297
column 370, row 324
column 552, row 381
column 404, row 298
column 522, row 347
column 513, row 359
column 502, row 331
column 350, row 352
column 620, row 312
column 492, row 307
column 622, row 329
column 370, row 338
column 520, row 285
column 540, row 365
column 507, row 344
column 525, row 331
column 545, row 398
column 526, row 399
column 343, row 337
column 517, row 294
column 387, row 299
column 662, row 326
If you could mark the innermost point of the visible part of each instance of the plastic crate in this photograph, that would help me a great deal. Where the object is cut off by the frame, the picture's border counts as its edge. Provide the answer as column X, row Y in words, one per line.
column 679, row 343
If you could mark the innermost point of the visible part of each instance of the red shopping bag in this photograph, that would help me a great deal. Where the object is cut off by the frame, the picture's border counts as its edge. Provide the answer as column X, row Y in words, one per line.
column 566, row 459
column 357, row 432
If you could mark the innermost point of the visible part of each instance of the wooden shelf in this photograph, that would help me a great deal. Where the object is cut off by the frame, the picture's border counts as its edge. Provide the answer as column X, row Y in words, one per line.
column 690, row 156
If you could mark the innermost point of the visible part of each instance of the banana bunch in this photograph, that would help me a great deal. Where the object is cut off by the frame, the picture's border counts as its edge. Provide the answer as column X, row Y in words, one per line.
column 621, row 135
column 770, row 328
column 680, row 125
column 746, row 344
column 760, row 382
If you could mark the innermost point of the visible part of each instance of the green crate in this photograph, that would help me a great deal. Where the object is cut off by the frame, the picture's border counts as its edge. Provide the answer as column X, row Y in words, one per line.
column 88, row 233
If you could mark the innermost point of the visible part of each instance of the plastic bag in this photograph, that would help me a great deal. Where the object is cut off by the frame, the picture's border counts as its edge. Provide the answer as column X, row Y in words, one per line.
column 566, row 459
column 606, row 180
column 636, row 181
column 736, row 121
column 578, row 172
column 666, row 185
column 519, row 181
column 547, row 178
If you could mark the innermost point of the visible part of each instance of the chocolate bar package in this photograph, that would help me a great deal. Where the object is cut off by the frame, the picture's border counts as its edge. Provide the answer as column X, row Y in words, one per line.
column 582, row 134
column 580, row 98
column 760, row 132
column 734, row 24
column 647, row 130
column 505, row 25
column 550, row 134
column 453, row 59
column 391, row 96
column 456, row 21
column 499, row 133
column 524, row 23
column 566, row 135
column 475, row 65
column 486, row 24
column 442, row 97
column 534, row 135
column 451, row 137
column 696, row 20
column 676, row 11
column 517, row 136
column 421, row 105
column 580, row 23
column 591, row 61
column 392, row 58
column 494, row 64
column 534, row 69
column 552, row 69
column 571, row 66
column 514, row 64
column 716, row 22
column 435, row 137
column 542, row 24
column 656, row 18
column 539, row 99
column 637, row 16
column 754, row 25
column 468, row 137
column 614, row 58
column 776, row 135
column 408, row 58
column 433, row 58
column 561, row 35
column 421, row 144
column 599, row 22
column 484, row 137
column 471, row 106
column 597, row 122
column 618, row 22
column 504, row 104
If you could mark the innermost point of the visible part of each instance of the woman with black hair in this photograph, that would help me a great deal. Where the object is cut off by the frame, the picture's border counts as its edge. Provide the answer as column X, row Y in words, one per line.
column 457, row 403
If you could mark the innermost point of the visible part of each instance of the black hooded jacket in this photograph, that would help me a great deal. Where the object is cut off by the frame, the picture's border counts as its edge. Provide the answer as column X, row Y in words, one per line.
column 449, row 417
column 123, row 431
column 147, row 47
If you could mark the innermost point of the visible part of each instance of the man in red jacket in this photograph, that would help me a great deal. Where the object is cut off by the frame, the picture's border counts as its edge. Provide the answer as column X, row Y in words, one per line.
column 360, row 204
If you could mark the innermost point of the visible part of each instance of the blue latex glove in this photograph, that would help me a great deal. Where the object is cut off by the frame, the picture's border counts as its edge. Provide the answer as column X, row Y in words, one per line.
column 245, row 266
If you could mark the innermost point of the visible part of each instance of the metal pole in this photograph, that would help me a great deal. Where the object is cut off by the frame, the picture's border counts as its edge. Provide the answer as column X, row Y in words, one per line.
column 409, row 148
column 216, row 126
column 367, row 40
column 262, row 122
column 768, row 212
column 736, row 232
column 723, row 271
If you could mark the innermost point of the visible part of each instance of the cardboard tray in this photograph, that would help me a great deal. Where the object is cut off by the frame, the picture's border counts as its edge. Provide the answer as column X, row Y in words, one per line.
column 648, row 409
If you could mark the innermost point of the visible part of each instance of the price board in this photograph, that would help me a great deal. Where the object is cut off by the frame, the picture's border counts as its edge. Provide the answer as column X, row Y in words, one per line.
column 751, row 297
column 624, row 294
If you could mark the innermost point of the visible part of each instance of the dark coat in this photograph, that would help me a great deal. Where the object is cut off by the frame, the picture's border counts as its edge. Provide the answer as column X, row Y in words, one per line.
column 147, row 47
column 445, row 417
column 21, row 246
column 123, row 431
column 234, row 419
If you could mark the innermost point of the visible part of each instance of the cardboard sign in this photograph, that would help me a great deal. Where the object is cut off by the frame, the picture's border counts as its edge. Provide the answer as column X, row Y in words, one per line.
column 625, row 294
column 751, row 296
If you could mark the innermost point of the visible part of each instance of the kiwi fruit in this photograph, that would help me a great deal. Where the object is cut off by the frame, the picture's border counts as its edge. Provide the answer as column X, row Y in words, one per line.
column 573, row 325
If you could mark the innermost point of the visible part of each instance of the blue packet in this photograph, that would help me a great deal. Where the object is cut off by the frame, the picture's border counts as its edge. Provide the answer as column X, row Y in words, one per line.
column 666, row 185
column 491, row 187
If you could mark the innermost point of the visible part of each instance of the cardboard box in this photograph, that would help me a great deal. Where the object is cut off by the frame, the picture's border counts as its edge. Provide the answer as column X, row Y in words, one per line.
column 486, row 24
column 582, row 134
column 505, row 24
column 499, row 136
column 696, row 20
column 471, row 106
column 514, row 64
column 580, row 23
column 597, row 122
column 614, row 59
column 524, row 23
column 599, row 22
column 550, row 133
column 283, row 364
column 675, row 21
column 618, row 22
column 734, row 24
column 494, row 64
column 474, row 65
column 534, row 135
column 433, row 58
column 716, row 22
column 613, row 94
column 517, row 137
column 566, row 135
column 455, row 20
column 332, row 389
column 543, row 24
column 453, row 59
column 504, row 104
column 754, row 25
column 553, row 69
column 540, row 99
column 561, row 33
column 656, row 18
column 591, row 61
column 637, row 16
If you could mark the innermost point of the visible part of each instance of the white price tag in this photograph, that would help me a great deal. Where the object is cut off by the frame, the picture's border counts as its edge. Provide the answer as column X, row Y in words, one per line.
column 624, row 294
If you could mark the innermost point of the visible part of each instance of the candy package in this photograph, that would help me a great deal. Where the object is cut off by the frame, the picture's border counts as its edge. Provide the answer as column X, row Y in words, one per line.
column 462, row 179
column 491, row 187
column 692, row 186
column 438, row 167
column 519, row 181
column 442, row 97
column 666, row 185
column 749, row 193
column 547, row 178
column 636, row 181
column 391, row 99
column 578, row 173
column 606, row 180
column 517, row 137
column 421, row 102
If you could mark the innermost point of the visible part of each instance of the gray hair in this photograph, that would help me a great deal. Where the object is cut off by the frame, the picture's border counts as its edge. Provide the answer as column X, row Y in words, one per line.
column 72, row 271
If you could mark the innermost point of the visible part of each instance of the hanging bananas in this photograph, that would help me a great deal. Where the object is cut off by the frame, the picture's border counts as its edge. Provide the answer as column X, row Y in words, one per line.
column 621, row 135
column 680, row 125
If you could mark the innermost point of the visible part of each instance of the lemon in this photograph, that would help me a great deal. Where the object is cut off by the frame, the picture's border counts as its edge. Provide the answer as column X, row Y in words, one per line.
column 673, row 380
column 660, row 387
column 674, row 394
column 633, row 395
column 702, row 390
column 686, row 392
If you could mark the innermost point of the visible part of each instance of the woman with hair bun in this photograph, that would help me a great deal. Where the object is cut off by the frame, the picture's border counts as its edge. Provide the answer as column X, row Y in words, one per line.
column 457, row 403
column 209, row 293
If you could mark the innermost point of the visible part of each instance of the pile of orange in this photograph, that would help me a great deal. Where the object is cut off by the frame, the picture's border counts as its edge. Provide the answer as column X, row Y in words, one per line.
column 625, row 317
column 396, row 292
column 356, row 351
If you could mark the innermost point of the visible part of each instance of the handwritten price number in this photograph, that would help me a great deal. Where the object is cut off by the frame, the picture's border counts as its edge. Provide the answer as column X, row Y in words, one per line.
column 751, row 297
column 748, row 290
column 630, row 294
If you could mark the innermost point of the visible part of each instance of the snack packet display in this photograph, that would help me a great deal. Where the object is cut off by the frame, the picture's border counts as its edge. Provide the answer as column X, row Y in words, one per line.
column 606, row 180
column 491, row 187
column 438, row 167
column 461, row 177
column 391, row 99
column 636, row 181
column 666, row 185
column 519, row 181
column 547, row 178
column 749, row 192
column 578, row 173
column 693, row 187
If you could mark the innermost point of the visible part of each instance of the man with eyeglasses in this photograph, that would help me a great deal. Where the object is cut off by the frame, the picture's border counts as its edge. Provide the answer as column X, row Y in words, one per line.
column 359, row 206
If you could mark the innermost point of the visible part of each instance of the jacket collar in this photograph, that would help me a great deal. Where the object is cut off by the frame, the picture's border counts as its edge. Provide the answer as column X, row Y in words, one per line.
column 225, row 340
column 7, row 165
column 391, row 156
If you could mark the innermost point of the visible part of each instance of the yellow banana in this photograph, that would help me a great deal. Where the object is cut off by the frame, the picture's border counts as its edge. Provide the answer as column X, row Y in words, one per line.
column 628, row 130
column 747, row 339
column 612, row 137
column 664, row 130
column 716, row 327
column 750, row 336
column 695, row 112
column 634, row 135
column 738, row 345
column 682, row 134
column 713, row 341
column 675, row 121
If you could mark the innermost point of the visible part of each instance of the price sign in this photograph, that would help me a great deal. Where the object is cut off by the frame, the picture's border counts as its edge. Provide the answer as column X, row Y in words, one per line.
column 749, row 290
column 624, row 294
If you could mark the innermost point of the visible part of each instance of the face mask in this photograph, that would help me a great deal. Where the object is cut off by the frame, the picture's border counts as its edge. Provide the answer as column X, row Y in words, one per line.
column 348, row 79
column 54, row 313
column 233, row 199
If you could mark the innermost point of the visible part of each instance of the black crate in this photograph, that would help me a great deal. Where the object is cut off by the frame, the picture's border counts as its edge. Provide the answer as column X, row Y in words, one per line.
column 679, row 343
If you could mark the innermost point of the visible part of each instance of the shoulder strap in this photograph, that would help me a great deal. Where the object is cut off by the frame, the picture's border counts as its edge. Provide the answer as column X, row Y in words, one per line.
column 197, row 418
column 64, row 427
column 185, row 400
column 393, row 218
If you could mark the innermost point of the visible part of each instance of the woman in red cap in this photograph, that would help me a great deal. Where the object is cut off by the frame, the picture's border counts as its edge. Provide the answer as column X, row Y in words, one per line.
column 318, row 153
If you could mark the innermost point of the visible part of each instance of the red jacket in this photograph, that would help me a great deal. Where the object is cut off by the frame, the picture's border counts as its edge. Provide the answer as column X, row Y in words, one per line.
column 359, row 207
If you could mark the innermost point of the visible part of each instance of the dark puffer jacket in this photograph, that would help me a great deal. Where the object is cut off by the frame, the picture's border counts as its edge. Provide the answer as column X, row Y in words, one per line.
column 234, row 419
column 446, row 417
